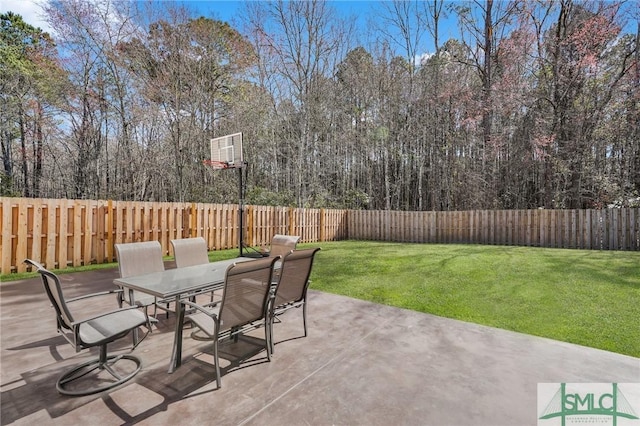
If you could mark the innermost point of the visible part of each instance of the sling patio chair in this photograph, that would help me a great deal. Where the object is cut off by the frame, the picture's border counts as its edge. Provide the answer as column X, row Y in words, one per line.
column 244, row 307
column 191, row 252
column 283, row 244
column 290, row 290
column 139, row 259
column 98, row 330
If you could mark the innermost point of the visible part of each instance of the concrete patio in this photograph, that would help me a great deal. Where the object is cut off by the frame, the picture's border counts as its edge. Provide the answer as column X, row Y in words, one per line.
column 362, row 364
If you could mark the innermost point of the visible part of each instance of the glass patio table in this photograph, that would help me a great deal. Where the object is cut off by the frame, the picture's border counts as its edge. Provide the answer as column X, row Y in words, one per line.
column 180, row 283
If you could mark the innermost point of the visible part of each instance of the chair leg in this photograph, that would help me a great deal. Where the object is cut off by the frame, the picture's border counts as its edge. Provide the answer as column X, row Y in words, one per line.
column 267, row 338
column 217, row 361
column 304, row 317
column 270, row 334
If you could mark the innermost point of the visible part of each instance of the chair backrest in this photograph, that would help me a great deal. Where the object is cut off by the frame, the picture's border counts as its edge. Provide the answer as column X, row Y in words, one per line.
column 246, row 292
column 54, row 292
column 139, row 258
column 283, row 244
column 190, row 251
column 294, row 276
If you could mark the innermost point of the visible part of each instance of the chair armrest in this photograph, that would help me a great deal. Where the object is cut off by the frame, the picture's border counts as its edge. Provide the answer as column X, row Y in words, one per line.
column 200, row 308
column 100, row 293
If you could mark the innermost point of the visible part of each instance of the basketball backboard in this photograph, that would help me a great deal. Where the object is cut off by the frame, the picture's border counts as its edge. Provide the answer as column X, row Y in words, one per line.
column 227, row 150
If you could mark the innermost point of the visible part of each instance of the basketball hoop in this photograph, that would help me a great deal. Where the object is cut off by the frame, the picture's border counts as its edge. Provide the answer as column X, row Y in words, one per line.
column 226, row 153
column 217, row 165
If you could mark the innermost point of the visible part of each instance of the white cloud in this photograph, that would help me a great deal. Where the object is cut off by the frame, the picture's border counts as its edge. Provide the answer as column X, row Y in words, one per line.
column 30, row 10
column 422, row 58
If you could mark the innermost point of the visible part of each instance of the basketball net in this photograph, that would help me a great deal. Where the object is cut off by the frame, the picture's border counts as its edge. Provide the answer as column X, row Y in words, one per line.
column 216, row 165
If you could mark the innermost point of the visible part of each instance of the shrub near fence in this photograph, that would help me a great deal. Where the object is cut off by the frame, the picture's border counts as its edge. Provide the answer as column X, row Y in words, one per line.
column 63, row 233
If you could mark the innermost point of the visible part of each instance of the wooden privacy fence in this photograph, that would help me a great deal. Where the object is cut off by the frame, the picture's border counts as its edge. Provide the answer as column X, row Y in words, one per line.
column 63, row 233
column 610, row 229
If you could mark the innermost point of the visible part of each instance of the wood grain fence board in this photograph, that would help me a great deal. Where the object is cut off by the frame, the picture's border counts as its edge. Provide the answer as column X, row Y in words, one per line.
column 52, row 235
column 364, row 226
column 6, row 247
column 202, row 220
column 579, row 229
column 512, row 230
column 490, row 235
column 378, row 221
column 118, row 230
column 544, row 227
column 596, row 230
column 629, row 230
column 604, row 237
column 413, row 227
column 211, row 228
column 633, row 230
column 76, row 235
column 483, row 227
column 87, row 234
column 138, row 222
column 22, row 234
column 588, row 228
column 527, row 231
column 99, row 221
column 522, row 221
column 224, row 212
column 36, row 224
column 613, row 219
column 514, row 227
column 603, row 240
column 63, row 235
column 624, row 224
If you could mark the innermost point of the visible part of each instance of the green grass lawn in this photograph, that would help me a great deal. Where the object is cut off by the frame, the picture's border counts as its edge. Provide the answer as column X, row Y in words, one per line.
column 591, row 298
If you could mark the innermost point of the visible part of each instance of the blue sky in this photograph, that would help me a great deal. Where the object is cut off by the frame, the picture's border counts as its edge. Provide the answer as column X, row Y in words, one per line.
column 228, row 10
column 221, row 9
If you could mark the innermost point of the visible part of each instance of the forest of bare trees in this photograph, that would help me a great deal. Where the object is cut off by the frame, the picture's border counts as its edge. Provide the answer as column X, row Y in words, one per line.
column 535, row 104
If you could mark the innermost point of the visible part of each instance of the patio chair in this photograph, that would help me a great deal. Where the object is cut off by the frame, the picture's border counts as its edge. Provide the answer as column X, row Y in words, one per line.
column 244, row 306
column 290, row 290
column 283, row 244
column 99, row 330
column 139, row 259
column 190, row 252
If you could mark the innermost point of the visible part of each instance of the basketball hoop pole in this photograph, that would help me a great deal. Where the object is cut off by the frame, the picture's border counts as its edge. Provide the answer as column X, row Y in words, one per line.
column 241, row 209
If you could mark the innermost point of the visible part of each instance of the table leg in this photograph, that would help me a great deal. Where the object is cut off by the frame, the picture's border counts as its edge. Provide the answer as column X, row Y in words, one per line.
column 135, row 330
column 176, row 355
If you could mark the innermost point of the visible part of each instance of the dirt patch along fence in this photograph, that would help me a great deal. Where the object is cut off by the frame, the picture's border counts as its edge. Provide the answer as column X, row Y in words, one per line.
column 65, row 233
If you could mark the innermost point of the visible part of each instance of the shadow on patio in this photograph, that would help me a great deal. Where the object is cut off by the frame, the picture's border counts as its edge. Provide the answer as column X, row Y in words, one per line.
column 362, row 363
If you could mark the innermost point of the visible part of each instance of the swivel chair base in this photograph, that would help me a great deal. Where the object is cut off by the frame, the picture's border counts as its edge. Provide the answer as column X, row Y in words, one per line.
column 105, row 363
